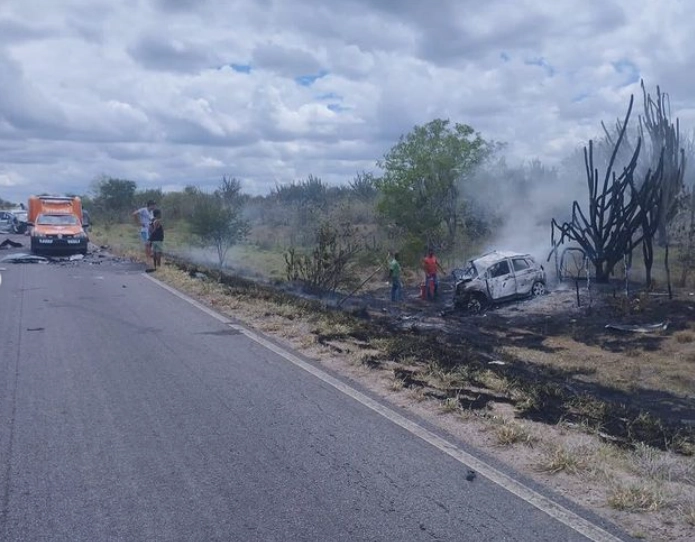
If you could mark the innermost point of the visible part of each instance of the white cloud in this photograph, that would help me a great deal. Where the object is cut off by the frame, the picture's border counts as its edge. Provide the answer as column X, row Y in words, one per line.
column 176, row 92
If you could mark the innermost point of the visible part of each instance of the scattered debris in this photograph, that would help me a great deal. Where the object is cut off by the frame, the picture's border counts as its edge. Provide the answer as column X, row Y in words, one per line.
column 35, row 329
column 74, row 257
column 24, row 257
column 639, row 328
column 470, row 475
column 496, row 362
column 10, row 243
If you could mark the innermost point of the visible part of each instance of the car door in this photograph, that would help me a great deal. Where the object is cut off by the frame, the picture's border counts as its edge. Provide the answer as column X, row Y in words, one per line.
column 525, row 275
column 501, row 283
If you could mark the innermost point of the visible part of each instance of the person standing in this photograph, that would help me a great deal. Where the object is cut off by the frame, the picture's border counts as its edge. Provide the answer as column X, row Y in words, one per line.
column 143, row 217
column 156, row 238
column 395, row 276
column 430, row 266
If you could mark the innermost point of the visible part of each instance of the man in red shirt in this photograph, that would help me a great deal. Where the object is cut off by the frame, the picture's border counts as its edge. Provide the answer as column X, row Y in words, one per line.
column 431, row 265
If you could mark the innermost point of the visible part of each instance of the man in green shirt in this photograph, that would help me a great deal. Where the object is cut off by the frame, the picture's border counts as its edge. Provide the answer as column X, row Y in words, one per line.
column 395, row 276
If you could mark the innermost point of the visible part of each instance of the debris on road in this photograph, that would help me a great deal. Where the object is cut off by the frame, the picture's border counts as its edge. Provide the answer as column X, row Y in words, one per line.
column 10, row 243
column 24, row 257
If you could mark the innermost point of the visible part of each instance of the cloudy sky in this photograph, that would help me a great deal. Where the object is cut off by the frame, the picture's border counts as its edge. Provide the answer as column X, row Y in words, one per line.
column 176, row 92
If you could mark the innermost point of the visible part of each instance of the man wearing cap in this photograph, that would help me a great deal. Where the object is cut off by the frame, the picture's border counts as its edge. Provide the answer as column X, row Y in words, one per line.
column 143, row 218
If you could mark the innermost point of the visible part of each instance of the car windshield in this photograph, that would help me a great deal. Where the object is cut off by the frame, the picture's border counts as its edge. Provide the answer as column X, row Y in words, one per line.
column 57, row 220
column 468, row 273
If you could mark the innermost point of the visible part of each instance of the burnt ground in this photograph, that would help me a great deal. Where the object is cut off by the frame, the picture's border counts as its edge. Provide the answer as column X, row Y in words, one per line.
column 416, row 338
column 575, row 392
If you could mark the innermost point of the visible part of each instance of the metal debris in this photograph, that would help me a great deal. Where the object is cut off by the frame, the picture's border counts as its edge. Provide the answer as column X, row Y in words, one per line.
column 639, row 328
column 24, row 257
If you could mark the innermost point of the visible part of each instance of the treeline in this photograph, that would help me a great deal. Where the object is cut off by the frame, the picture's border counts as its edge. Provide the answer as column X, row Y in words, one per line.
column 443, row 185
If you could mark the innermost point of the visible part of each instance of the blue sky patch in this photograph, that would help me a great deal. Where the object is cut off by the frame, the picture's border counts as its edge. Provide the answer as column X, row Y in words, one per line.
column 628, row 70
column 308, row 80
column 241, row 68
column 336, row 108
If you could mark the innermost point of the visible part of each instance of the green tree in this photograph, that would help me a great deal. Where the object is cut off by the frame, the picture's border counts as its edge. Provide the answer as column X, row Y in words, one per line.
column 217, row 219
column 113, row 198
column 420, row 185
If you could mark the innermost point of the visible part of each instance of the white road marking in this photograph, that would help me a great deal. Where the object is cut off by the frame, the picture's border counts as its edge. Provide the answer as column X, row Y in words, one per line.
column 560, row 513
column 0, row 280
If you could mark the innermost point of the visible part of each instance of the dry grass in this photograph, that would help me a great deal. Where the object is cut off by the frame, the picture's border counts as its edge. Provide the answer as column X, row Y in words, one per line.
column 684, row 337
column 558, row 457
column 450, row 404
column 660, row 466
column 508, row 433
column 637, row 498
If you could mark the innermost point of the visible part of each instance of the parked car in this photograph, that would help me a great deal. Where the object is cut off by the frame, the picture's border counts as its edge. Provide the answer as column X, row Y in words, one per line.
column 496, row 277
column 7, row 222
column 13, row 221
column 22, row 219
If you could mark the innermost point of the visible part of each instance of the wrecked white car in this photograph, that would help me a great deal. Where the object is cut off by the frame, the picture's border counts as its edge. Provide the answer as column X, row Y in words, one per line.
column 496, row 277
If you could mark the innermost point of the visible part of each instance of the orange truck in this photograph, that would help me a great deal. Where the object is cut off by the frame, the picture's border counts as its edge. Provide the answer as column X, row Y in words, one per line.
column 56, row 224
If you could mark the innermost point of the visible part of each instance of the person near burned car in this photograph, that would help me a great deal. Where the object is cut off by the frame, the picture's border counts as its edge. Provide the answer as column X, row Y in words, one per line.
column 431, row 266
column 143, row 218
column 395, row 276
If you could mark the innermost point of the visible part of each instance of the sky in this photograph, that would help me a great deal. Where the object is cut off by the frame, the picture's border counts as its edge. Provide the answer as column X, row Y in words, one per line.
column 170, row 93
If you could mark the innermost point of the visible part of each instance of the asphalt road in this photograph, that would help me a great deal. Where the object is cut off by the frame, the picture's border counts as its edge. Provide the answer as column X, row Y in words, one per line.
column 127, row 413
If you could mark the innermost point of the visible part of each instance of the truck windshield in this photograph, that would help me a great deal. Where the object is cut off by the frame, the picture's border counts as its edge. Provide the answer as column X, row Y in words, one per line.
column 57, row 220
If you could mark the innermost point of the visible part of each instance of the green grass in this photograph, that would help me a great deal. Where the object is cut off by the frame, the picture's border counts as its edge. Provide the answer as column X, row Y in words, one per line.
column 124, row 239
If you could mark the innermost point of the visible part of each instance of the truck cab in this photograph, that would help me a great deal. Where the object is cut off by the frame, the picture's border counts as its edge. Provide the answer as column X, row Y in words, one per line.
column 56, row 225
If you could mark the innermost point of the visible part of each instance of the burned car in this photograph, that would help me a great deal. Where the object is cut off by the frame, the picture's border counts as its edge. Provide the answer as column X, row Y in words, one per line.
column 496, row 277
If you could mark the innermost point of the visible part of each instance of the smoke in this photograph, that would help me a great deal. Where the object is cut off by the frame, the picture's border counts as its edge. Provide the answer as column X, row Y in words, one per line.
column 520, row 202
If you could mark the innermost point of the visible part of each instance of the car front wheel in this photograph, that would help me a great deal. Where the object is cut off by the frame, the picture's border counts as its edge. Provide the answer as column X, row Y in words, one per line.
column 537, row 289
column 471, row 305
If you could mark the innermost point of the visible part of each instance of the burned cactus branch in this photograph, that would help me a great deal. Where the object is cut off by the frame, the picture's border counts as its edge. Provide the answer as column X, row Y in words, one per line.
column 621, row 212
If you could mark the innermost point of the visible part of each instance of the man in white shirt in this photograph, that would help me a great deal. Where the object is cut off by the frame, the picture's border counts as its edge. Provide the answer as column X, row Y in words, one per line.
column 143, row 217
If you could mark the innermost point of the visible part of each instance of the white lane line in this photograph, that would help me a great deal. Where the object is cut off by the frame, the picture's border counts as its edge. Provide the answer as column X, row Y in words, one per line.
column 582, row 526
column 0, row 279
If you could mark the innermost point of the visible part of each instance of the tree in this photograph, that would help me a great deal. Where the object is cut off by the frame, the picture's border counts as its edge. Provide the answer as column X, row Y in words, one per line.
column 419, row 187
column 326, row 266
column 666, row 149
column 217, row 219
column 113, row 198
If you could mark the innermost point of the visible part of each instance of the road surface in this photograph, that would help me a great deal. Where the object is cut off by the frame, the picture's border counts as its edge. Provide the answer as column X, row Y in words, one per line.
column 127, row 413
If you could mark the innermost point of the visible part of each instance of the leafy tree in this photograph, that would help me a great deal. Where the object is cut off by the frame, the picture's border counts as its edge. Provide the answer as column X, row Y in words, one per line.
column 113, row 198
column 217, row 220
column 419, row 188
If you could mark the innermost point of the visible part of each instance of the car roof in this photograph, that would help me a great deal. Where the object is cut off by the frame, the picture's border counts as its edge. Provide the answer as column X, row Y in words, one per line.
column 486, row 260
